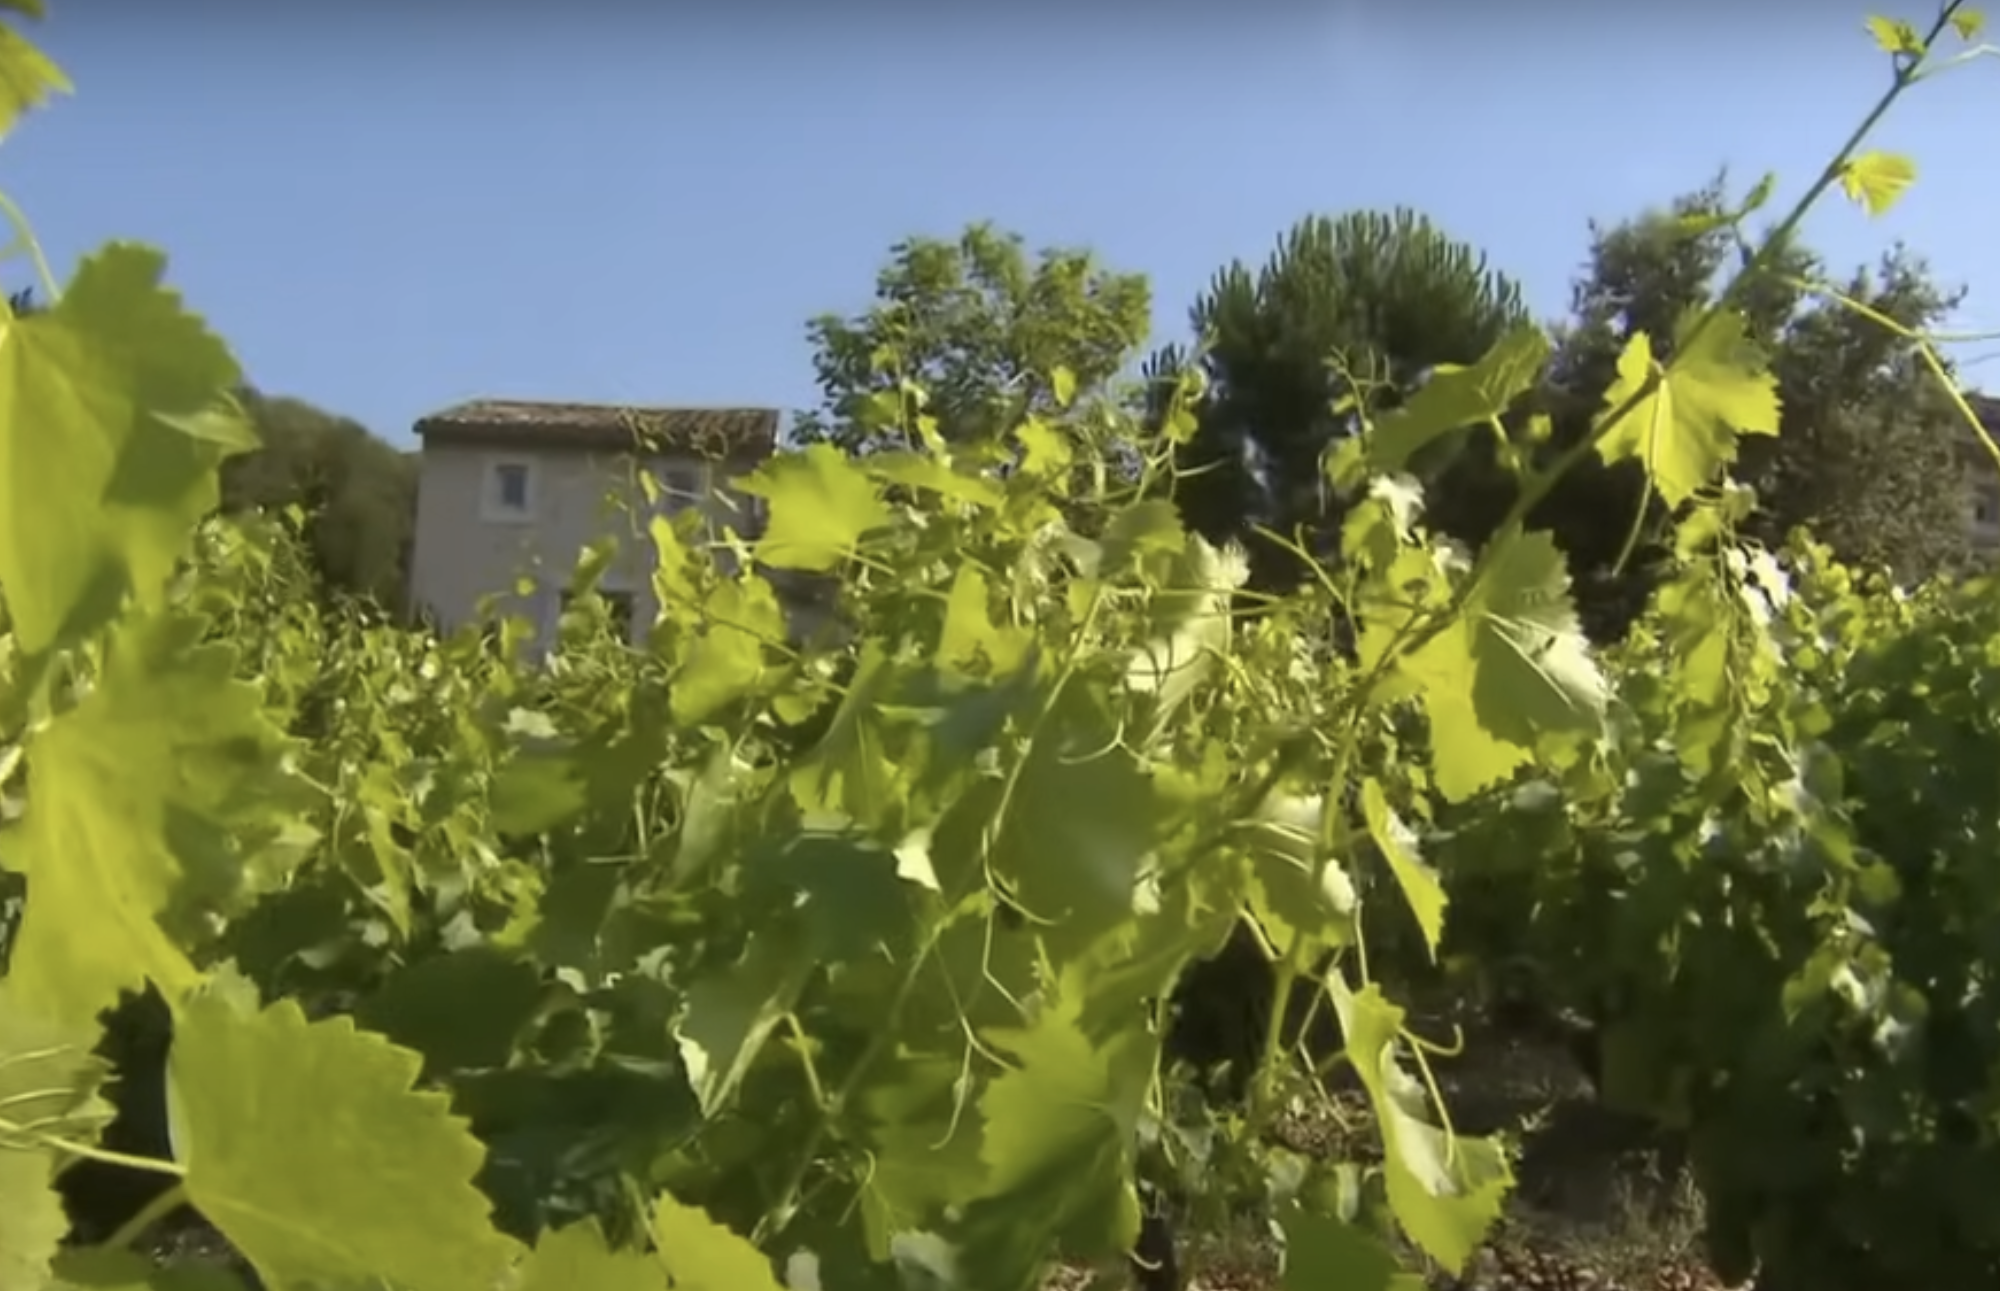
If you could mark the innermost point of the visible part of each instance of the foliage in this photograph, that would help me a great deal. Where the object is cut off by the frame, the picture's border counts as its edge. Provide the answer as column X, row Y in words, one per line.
column 977, row 329
column 1367, row 299
column 357, row 494
column 672, row 967
column 1868, row 457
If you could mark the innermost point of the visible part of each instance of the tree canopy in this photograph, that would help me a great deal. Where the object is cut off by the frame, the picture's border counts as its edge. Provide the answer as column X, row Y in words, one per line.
column 1363, row 303
column 358, row 493
column 973, row 322
column 1866, row 457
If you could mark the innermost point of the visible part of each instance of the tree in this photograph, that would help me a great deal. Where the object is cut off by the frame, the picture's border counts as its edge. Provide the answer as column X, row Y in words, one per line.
column 358, row 493
column 1385, row 297
column 1866, row 455
column 979, row 325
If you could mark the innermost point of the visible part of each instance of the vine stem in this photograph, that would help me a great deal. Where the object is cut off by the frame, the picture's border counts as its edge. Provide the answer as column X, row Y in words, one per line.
column 150, row 1214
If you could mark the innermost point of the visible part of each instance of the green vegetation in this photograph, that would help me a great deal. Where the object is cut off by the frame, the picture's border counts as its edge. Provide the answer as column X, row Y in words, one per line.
column 735, row 962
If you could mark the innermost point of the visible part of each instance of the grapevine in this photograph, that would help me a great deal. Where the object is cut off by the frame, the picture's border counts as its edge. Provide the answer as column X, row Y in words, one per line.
column 752, row 959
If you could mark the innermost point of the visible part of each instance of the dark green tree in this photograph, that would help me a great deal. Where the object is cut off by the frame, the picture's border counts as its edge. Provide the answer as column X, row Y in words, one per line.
column 1369, row 299
column 979, row 324
column 358, row 493
column 1866, row 455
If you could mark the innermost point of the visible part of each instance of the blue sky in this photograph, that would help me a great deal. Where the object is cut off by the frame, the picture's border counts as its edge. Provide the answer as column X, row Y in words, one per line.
column 388, row 209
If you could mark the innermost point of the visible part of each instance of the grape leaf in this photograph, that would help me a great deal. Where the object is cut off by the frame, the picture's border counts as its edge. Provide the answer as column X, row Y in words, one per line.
column 460, row 1010
column 820, row 505
column 305, row 1144
column 1058, row 1132
column 725, row 662
column 49, row 1079
column 1079, row 825
column 1685, row 430
column 1446, row 1190
column 98, row 491
column 1321, row 1253
column 702, row 1255
column 730, row 1013
column 1875, row 180
column 135, row 789
column 1417, row 881
column 1457, row 396
column 1512, row 666
column 28, row 77
column 576, row 1258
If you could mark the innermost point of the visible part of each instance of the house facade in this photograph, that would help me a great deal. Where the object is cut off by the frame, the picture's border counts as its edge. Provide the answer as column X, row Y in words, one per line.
column 1982, row 480
column 510, row 492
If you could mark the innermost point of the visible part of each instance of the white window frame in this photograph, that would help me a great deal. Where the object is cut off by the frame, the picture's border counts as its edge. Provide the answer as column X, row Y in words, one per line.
column 492, row 508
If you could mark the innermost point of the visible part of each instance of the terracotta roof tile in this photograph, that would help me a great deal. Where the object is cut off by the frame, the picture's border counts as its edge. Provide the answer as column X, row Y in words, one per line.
column 518, row 423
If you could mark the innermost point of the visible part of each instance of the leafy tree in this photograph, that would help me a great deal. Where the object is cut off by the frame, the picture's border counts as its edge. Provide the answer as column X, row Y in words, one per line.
column 1866, row 456
column 1388, row 297
column 973, row 323
column 358, row 493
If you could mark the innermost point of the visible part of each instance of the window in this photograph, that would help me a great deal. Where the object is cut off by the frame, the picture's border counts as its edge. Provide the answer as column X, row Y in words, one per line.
column 509, row 494
column 683, row 485
column 512, row 478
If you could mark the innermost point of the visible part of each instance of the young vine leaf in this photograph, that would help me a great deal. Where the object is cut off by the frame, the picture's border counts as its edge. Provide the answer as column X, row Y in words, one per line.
column 1689, row 411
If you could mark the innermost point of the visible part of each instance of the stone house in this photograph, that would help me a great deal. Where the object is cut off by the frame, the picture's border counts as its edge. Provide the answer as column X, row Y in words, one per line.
column 1982, row 483
column 510, row 492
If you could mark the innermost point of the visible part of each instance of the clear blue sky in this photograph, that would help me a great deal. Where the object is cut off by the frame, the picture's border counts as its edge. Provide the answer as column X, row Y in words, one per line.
column 389, row 208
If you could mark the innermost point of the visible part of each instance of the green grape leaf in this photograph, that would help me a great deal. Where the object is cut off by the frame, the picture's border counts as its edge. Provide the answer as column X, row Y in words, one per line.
column 1322, row 1253
column 730, row 1013
column 821, row 503
column 1513, row 666
column 1684, row 430
column 1875, row 180
column 49, row 1083
column 1398, row 844
column 135, row 790
column 726, row 661
column 701, row 1255
column 909, row 1114
column 1455, row 397
column 576, row 1258
column 850, row 901
column 99, row 494
column 1896, row 36
column 970, row 640
column 1446, row 1190
column 537, row 791
column 305, row 1144
column 461, row 1011
column 1058, row 1131
column 28, row 77
column 1079, row 825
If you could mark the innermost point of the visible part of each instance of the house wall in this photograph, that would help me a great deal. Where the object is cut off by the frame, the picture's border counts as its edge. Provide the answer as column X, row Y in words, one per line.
column 470, row 544
column 1982, row 482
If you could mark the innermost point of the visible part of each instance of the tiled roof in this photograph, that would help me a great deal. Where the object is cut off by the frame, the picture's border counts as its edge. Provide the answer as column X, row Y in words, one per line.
column 517, row 423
